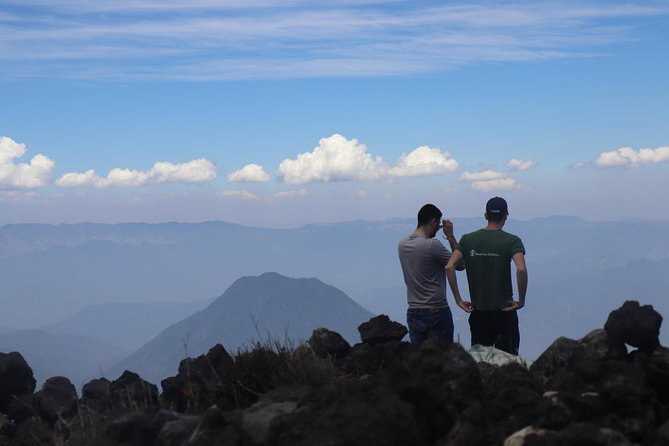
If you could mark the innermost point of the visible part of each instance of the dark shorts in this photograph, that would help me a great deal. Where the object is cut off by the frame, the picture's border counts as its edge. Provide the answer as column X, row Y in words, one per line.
column 429, row 323
column 495, row 328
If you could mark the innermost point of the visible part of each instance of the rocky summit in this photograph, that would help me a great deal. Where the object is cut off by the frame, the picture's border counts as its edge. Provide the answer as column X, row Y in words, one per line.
column 608, row 388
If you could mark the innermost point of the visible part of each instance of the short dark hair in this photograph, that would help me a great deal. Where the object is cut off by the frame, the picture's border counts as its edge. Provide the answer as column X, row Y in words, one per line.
column 495, row 218
column 427, row 213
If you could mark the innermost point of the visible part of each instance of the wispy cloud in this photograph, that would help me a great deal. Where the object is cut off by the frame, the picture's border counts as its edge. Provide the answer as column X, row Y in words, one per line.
column 244, row 195
column 196, row 171
column 14, row 175
column 209, row 39
column 298, row 193
column 237, row 195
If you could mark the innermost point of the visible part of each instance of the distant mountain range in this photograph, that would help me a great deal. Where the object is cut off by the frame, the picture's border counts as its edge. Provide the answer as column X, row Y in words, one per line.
column 267, row 308
column 61, row 278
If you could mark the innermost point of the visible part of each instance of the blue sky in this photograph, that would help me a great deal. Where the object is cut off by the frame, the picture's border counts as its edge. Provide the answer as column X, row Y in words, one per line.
column 280, row 113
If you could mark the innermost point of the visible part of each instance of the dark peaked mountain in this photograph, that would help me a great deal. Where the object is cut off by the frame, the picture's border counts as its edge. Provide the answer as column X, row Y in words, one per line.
column 254, row 308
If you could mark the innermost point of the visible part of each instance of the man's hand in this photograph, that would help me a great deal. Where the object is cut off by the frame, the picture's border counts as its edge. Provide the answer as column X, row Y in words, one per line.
column 513, row 305
column 465, row 305
column 447, row 226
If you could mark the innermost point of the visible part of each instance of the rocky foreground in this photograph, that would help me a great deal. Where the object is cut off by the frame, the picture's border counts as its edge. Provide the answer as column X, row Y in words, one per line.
column 382, row 391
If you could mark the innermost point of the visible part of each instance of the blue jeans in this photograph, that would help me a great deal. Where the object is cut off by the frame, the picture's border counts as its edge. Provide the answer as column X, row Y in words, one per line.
column 429, row 323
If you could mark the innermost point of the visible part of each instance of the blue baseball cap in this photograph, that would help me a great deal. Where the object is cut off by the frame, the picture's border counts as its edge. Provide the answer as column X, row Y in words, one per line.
column 497, row 205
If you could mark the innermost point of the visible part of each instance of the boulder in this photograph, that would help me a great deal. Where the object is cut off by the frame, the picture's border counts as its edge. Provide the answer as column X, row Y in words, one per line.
column 326, row 343
column 439, row 381
column 368, row 359
column 136, row 428
column 96, row 395
column 57, row 400
column 636, row 325
column 20, row 408
column 131, row 393
column 35, row 432
column 556, row 357
column 210, row 428
column 360, row 412
column 381, row 329
column 599, row 344
column 216, row 428
column 16, row 378
column 199, row 381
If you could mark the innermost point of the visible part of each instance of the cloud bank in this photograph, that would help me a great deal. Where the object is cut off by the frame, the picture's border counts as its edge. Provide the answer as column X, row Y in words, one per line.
column 31, row 175
column 196, row 171
column 628, row 157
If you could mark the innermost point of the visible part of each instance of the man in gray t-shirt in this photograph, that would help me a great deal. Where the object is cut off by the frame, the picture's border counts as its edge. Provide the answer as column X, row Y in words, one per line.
column 423, row 259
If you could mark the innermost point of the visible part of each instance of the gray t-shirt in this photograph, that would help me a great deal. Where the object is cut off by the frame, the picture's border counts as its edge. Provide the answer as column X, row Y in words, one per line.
column 423, row 263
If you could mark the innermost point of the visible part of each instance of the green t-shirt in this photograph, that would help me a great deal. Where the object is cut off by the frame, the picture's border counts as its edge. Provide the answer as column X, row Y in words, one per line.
column 488, row 263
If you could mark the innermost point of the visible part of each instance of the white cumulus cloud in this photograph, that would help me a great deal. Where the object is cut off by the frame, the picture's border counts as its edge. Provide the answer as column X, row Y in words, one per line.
column 335, row 159
column 339, row 159
column 490, row 185
column 515, row 164
column 628, row 157
column 31, row 175
column 196, row 171
column 489, row 180
column 424, row 161
column 251, row 173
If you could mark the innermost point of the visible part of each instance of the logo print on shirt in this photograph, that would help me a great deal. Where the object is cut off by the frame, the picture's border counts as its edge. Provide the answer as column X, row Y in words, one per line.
column 473, row 253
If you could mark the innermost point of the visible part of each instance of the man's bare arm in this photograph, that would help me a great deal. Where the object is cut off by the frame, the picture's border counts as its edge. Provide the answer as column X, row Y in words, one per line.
column 455, row 259
column 521, row 279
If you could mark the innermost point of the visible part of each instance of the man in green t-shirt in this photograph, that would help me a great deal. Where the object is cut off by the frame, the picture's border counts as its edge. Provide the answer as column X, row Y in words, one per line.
column 488, row 253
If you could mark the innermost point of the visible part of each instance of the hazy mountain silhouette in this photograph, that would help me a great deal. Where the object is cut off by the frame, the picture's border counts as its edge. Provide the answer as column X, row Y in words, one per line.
column 77, row 357
column 260, row 308
column 125, row 325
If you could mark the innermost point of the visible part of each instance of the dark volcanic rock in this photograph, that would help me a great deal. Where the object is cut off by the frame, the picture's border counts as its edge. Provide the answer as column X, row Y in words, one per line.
column 599, row 344
column 57, row 400
column 20, row 408
column 16, row 378
column 358, row 413
column 35, row 432
column 439, row 381
column 200, row 381
column 215, row 428
column 326, row 343
column 638, row 326
column 557, row 356
column 381, row 329
column 96, row 395
column 136, row 428
column 368, row 359
column 132, row 393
